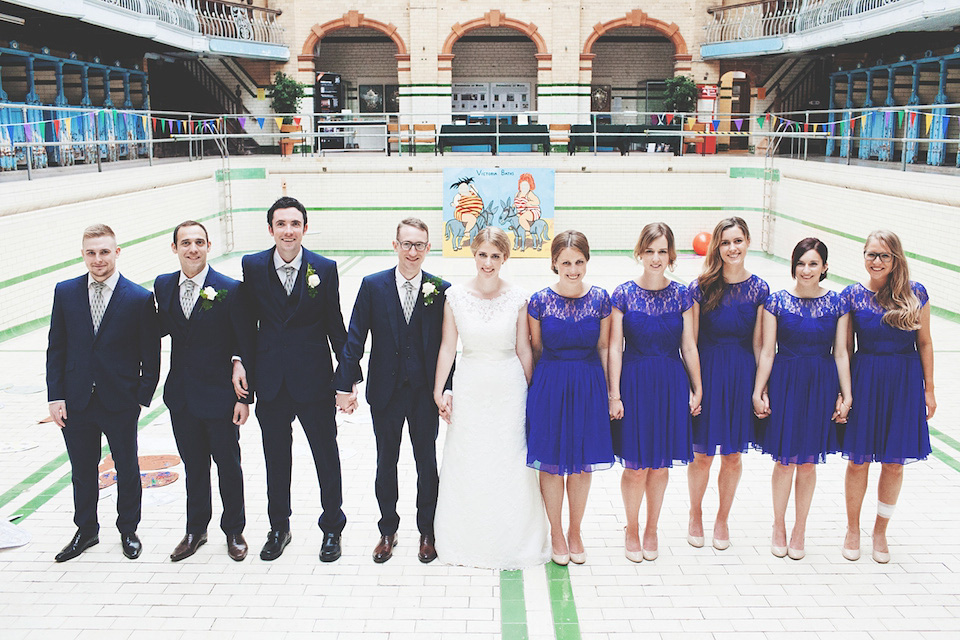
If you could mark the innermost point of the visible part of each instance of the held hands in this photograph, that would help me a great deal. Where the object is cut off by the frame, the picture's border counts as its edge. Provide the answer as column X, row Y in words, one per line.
column 761, row 405
column 696, row 397
column 347, row 402
column 841, row 409
column 444, row 404
column 58, row 413
column 616, row 408
column 241, row 412
column 239, row 380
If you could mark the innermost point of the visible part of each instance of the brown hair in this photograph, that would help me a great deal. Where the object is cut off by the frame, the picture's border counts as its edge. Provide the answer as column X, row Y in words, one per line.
column 189, row 223
column 650, row 233
column 495, row 236
column 896, row 296
column 711, row 278
column 808, row 244
column 98, row 231
column 416, row 223
column 569, row 239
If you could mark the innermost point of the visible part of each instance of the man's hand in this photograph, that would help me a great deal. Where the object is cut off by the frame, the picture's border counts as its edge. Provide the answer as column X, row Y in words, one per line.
column 240, row 380
column 347, row 402
column 240, row 413
column 58, row 412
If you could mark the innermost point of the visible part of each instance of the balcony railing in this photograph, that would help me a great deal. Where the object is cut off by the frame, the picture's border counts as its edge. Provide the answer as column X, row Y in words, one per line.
column 767, row 18
column 213, row 18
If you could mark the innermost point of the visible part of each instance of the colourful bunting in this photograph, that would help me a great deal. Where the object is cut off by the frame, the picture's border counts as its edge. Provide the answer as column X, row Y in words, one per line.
column 761, row 120
column 738, row 122
column 279, row 122
column 260, row 122
column 928, row 120
column 716, row 125
column 296, row 120
column 669, row 118
column 242, row 121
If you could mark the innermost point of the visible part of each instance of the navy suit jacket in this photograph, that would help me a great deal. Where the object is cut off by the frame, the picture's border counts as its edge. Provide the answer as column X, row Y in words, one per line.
column 294, row 348
column 201, row 360
column 122, row 359
column 378, row 311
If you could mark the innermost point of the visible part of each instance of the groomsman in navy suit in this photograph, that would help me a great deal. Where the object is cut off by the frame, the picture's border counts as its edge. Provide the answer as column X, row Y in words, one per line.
column 295, row 298
column 403, row 308
column 206, row 390
column 103, row 365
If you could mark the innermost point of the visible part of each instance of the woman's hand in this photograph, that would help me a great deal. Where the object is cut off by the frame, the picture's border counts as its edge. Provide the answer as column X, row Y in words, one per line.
column 616, row 408
column 761, row 405
column 696, row 399
column 931, row 402
column 444, row 404
column 841, row 410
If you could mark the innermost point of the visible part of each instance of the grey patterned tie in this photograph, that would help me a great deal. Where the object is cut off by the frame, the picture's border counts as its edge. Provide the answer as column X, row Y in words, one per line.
column 97, row 307
column 186, row 297
column 408, row 300
column 288, row 283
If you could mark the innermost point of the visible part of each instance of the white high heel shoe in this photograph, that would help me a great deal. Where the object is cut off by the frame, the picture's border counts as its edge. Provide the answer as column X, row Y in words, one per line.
column 695, row 541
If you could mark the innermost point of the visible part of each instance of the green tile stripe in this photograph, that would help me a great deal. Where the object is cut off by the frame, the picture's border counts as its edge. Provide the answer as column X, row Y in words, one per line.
column 566, row 624
column 656, row 208
column 513, row 608
column 758, row 173
column 947, row 460
column 850, row 236
column 950, row 441
column 45, row 470
column 242, row 174
column 79, row 259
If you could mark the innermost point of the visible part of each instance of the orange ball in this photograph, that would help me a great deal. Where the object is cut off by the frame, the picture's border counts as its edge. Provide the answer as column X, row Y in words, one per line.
column 700, row 243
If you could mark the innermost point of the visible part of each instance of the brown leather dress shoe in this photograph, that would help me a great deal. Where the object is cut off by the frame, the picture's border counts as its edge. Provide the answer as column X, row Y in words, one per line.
column 188, row 546
column 236, row 546
column 428, row 551
column 384, row 549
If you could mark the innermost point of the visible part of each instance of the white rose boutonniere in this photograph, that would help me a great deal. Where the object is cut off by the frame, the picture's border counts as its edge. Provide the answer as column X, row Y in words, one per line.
column 313, row 281
column 209, row 295
column 430, row 289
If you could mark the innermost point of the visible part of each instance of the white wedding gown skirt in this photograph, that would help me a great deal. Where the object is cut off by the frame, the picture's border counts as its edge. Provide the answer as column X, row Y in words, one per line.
column 489, row 510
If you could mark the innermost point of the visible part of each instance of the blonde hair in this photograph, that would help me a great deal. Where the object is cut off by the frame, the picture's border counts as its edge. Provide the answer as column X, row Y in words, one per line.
column 651, row 232
column 98, row 231
column 896, row 296
column 569, row 239
column 711, row 278
column 416, row 223
column 495, row 236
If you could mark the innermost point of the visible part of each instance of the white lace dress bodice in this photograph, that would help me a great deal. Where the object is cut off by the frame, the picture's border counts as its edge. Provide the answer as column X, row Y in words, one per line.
column 489, row 510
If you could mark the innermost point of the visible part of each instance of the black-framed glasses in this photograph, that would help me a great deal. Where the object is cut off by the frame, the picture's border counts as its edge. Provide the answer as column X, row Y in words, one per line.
column 406, row 245
column 871, row 256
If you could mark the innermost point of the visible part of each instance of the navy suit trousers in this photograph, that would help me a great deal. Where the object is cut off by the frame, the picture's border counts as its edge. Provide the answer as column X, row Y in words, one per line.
column 84, row 446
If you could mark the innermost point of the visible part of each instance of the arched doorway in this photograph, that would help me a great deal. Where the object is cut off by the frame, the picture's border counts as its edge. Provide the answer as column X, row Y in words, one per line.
column 494, row 70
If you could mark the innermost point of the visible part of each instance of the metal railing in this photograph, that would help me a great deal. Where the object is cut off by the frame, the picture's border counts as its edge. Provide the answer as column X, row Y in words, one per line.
column 213, row 18
column 766, row 18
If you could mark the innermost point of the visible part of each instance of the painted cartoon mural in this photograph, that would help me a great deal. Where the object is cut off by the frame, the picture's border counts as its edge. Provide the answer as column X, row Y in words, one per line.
column 519, row 201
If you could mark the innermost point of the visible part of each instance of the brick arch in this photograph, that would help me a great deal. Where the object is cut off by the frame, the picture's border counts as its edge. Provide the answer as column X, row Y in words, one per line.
column 351, row 19
column 638, row 18
column 495, row 18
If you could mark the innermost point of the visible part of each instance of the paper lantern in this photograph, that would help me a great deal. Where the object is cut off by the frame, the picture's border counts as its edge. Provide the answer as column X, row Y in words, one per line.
column 700, row 243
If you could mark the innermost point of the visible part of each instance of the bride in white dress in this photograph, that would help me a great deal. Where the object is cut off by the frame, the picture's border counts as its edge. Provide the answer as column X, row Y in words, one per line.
column 489, row 510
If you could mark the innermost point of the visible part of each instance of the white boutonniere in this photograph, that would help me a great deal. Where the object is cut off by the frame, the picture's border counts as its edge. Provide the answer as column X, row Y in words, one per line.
column 209, row 295
column 430, row 289
column 313, row 281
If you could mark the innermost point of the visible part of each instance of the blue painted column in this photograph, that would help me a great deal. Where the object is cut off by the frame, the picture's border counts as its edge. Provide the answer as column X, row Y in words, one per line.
column 846, row 116
column 938, row 129
column 884, row 148
column 865, row 145
column 832, row 116
column 913, row 128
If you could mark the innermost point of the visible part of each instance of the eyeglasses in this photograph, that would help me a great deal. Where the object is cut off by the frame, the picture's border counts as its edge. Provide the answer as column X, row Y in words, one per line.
column 870, row 256
column 406, row 245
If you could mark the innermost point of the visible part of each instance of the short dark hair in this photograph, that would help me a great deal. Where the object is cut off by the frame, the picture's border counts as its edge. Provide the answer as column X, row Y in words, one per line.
column 189, row 223
column 808, row 244
column 286, row 203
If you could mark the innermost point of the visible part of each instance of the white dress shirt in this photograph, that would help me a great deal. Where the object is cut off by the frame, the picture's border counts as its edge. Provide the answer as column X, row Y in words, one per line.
column 279, row 264
column 111, row 285
column 198, row 280
column 416, row 280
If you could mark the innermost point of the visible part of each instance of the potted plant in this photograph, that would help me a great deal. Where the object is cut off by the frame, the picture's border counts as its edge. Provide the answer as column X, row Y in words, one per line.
column 680, row 95
column 285, row 96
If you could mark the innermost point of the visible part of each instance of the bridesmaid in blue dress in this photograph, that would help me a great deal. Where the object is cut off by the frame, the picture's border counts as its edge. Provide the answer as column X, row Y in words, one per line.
column 728, row 303
column 652, row 395
column 801, row 327
column 892, row 384
column 567, row 405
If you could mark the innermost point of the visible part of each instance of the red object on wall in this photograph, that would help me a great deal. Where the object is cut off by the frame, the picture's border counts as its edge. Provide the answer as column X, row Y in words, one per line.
column 700, row 243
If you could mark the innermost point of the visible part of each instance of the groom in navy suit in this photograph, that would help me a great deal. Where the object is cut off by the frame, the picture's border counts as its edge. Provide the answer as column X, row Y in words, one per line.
column 206, row 389
column 403, row 308
column 294, row 295
column 103, row 364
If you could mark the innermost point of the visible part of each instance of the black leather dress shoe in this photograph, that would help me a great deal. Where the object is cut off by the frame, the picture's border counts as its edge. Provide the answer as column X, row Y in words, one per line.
column 75, row 547
column 188, row 546
column 236, row 546
column 384, row 549
column 277, row 541
column 131, row 546
column 330, row 550
column 428, row 549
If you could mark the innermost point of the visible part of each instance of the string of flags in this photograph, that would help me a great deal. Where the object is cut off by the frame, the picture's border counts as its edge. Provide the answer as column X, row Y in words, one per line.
column 834, row 127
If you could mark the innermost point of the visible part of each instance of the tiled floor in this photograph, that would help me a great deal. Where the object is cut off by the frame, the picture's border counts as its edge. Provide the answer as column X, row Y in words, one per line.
column 740, row 593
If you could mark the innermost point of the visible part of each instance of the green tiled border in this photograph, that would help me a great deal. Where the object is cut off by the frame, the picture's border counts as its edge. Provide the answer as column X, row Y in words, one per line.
column 242, row 174
column 513, row 607
column 566, row 623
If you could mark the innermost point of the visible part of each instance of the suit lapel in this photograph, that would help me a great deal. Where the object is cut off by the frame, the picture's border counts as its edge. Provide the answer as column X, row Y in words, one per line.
column 83, row 292
column 394, row 310
column 173, row 304
column 116, row 299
